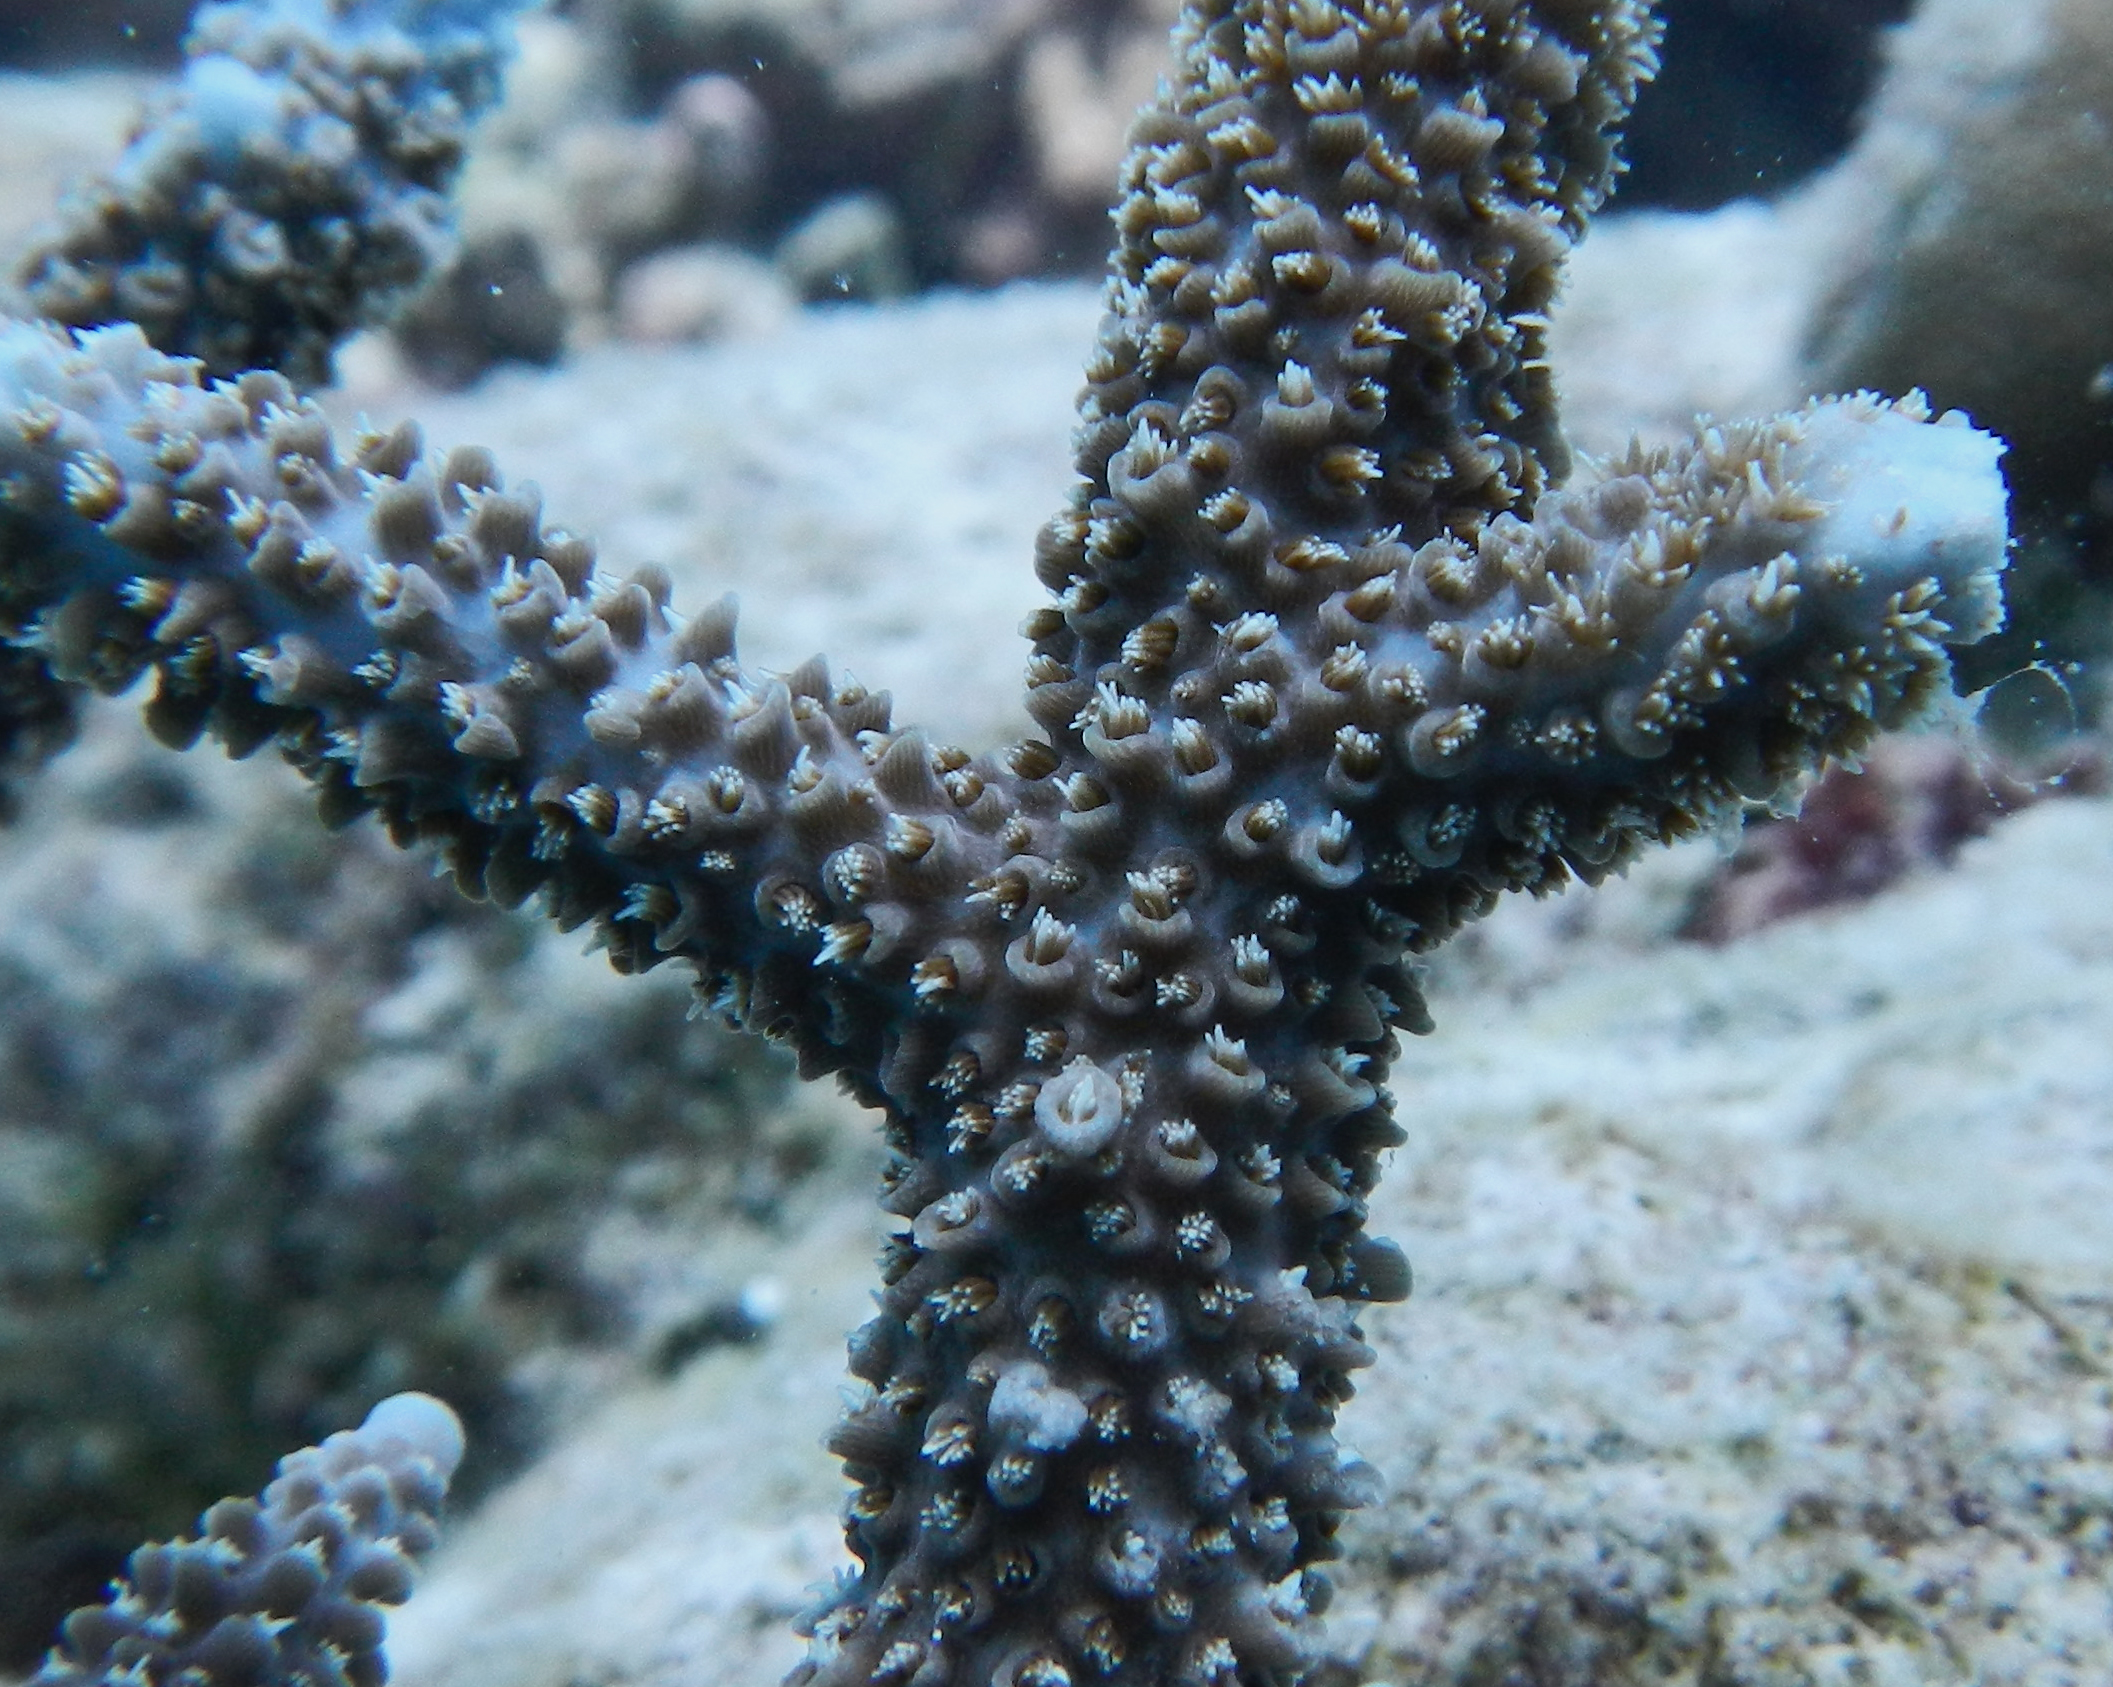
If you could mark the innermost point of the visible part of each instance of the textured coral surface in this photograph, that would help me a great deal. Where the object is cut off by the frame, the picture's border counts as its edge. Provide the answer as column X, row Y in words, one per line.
column 1331, row 662
column 285, row 1587
column 1760, row 1332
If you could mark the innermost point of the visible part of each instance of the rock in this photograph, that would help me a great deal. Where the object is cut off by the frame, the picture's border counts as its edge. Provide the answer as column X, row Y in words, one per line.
column 848, row 248
column 1978, row 267
column 702, row 292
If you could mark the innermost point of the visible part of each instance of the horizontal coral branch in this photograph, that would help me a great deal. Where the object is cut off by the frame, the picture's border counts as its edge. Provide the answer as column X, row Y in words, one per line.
column 1685, row 629
column 424, row 646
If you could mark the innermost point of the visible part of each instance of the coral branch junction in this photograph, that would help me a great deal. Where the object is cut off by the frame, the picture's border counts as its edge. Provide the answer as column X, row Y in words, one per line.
column 1333, row 658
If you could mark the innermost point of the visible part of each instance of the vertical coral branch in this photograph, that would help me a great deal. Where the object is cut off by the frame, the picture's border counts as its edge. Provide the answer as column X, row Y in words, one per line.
column 283, row 1589
column 290, row 189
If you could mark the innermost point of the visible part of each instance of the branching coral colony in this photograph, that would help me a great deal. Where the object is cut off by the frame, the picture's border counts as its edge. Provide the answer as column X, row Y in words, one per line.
column 1333, row 659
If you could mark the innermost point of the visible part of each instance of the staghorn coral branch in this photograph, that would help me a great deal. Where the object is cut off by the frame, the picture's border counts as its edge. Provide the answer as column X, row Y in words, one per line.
column 1320, row 408
column 283, row 1589
column 420, row 644
column 289, row 190
column 1332, row 662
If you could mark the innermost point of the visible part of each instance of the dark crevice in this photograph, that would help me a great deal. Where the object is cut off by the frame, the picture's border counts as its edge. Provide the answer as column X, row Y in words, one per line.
column 1755, row 96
